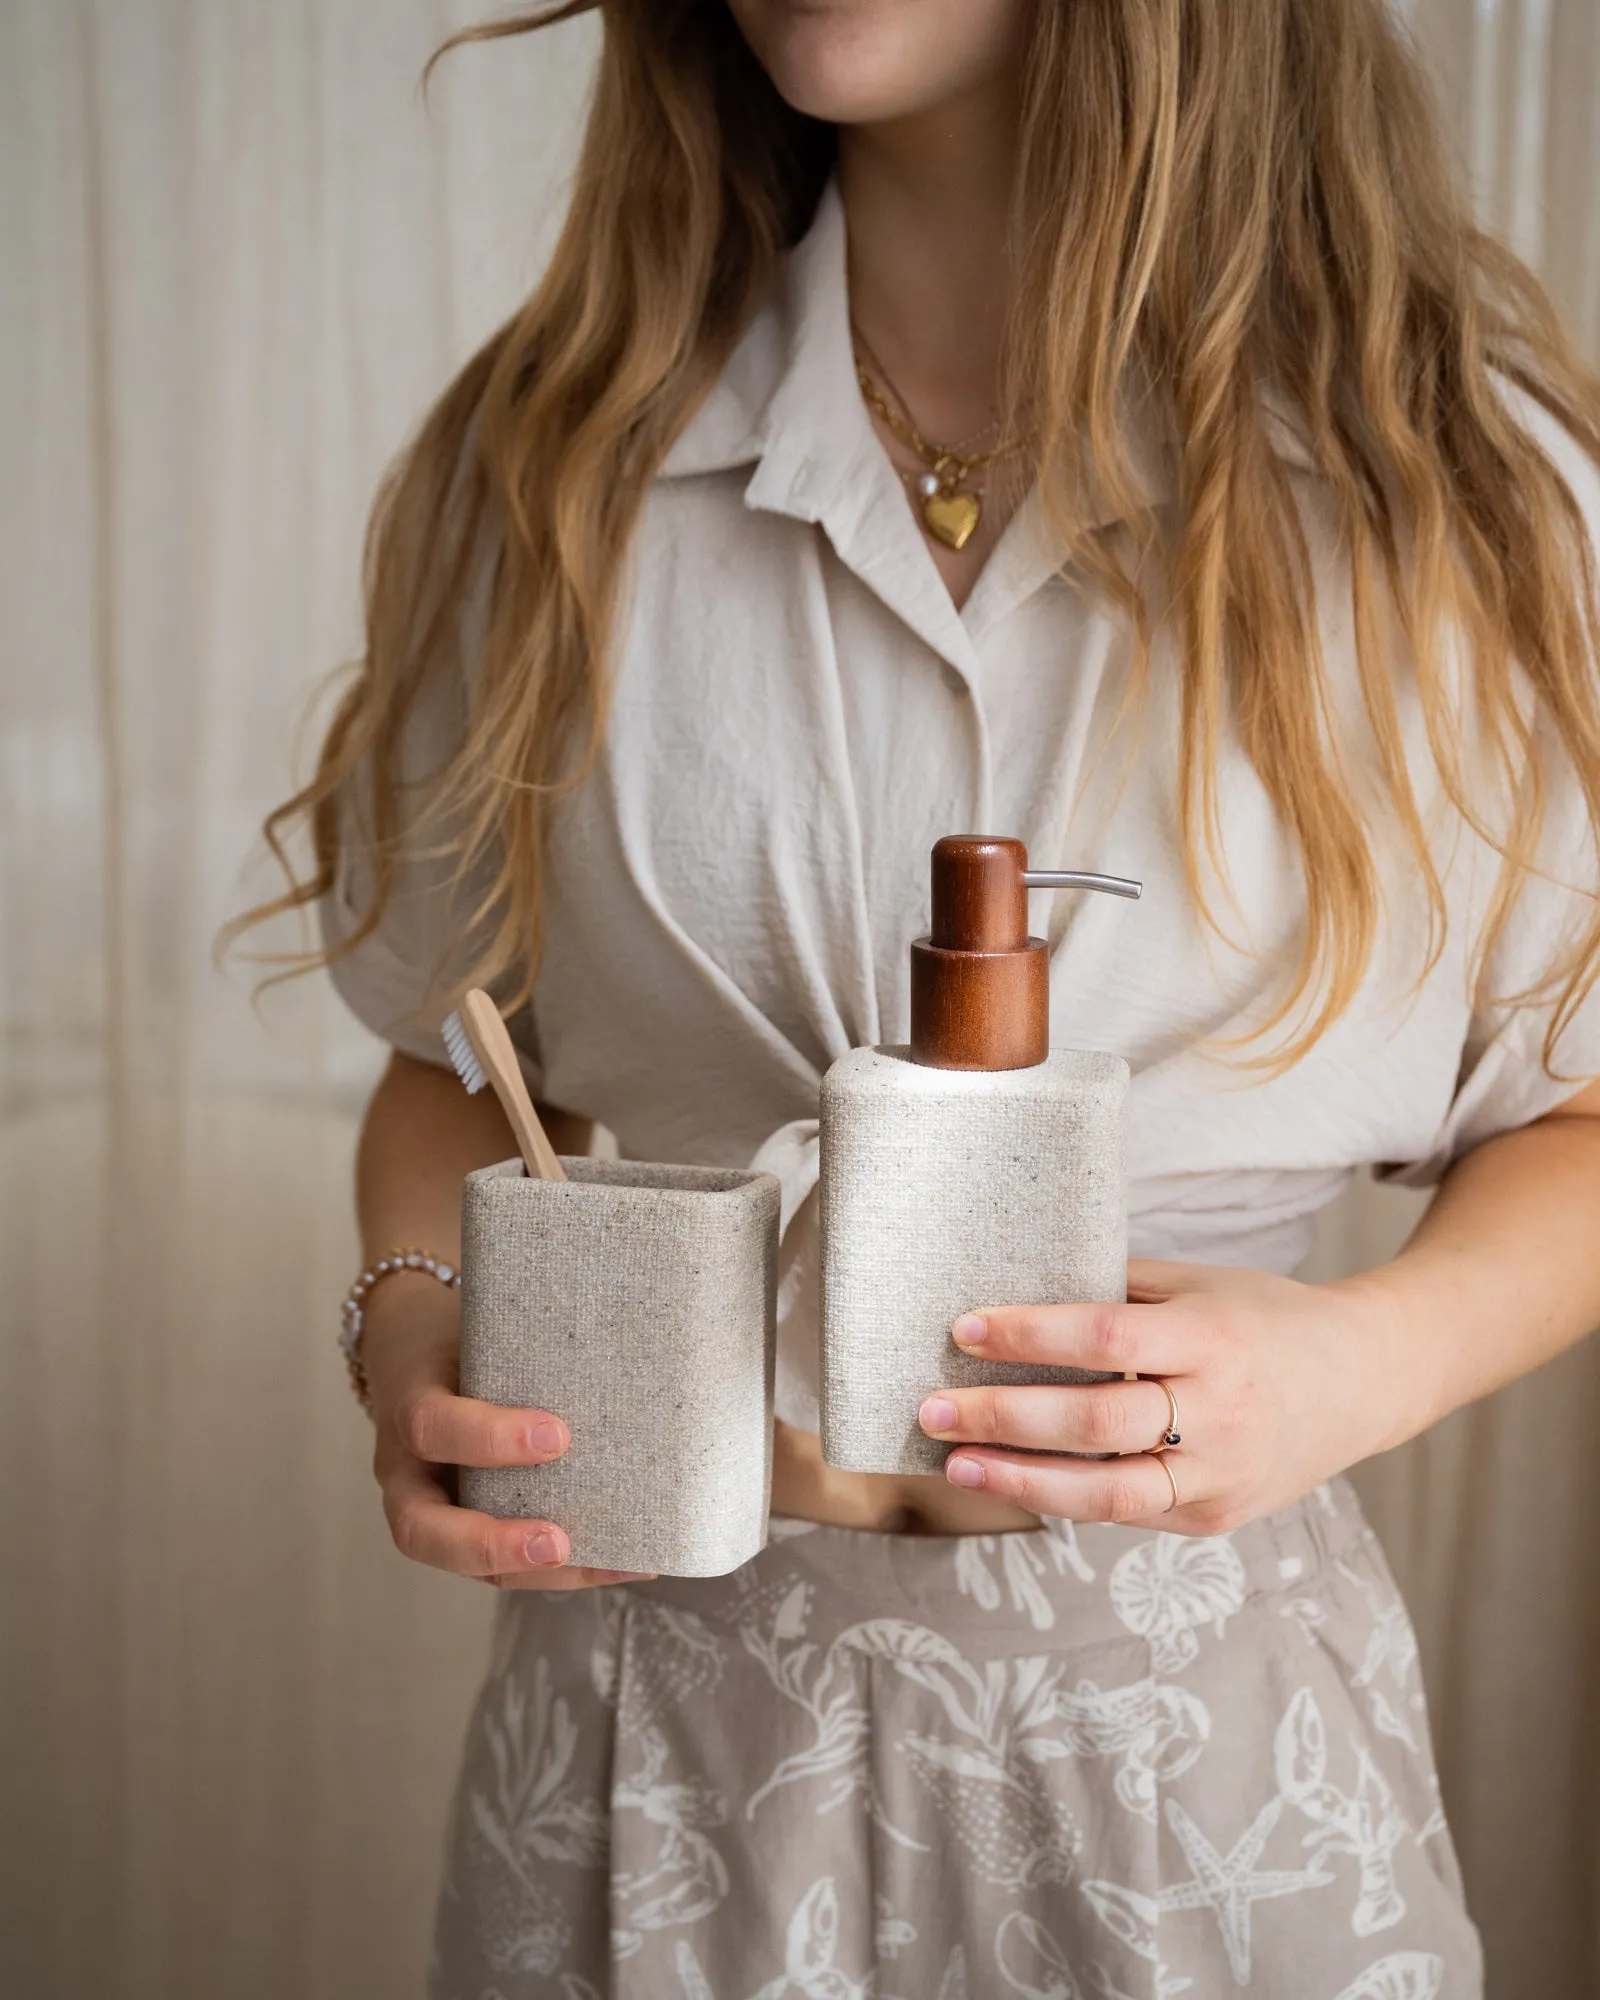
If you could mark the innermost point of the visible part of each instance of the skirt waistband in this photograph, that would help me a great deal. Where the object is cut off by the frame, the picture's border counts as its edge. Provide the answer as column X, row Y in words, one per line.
column 1085, row 1584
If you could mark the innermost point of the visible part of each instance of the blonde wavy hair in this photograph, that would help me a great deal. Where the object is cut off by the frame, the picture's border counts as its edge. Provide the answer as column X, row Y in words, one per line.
column 1216, row 195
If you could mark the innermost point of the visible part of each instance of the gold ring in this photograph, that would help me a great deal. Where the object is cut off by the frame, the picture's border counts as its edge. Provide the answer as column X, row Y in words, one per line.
column 1160, row 1459
column 1169, row 1437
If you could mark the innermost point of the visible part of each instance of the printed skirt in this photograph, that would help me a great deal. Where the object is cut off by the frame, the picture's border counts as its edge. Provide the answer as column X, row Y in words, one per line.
column 1069, row 1764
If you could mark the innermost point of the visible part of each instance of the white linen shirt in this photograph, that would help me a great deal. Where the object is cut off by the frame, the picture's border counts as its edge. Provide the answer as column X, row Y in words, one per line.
column 800, row 711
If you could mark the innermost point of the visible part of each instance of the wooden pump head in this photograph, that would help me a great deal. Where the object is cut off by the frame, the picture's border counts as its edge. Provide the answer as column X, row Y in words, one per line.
column 980, row 986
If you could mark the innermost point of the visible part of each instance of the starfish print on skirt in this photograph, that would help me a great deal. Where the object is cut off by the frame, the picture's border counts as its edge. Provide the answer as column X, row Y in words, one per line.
column 1229, row 1885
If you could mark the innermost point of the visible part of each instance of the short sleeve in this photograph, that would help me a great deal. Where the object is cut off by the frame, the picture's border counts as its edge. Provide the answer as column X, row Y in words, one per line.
column 404, row 976
column 1504, row 1080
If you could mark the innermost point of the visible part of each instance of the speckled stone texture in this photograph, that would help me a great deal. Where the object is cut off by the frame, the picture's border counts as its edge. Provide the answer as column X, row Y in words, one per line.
column 638, row 1303
column 947, row 1189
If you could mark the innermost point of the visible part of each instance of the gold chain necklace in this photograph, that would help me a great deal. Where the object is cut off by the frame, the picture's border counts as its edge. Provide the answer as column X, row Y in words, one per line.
column 950, row 507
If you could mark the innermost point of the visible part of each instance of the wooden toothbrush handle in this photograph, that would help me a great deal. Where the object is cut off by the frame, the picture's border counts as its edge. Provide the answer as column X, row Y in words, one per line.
column 491, row 1044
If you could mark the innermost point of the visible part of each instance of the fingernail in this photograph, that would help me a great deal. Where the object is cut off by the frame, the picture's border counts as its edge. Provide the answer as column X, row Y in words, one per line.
column 543, row 1549
column 548, row 1439
column 632, row 1575
column 963, row 1472
column 937, row 1414
column 971, row 1330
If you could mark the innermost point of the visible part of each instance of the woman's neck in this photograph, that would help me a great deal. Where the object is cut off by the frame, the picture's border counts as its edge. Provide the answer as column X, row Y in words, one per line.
column 927, row 204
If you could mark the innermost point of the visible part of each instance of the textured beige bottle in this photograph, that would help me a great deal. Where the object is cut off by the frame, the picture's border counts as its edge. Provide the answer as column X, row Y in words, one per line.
column 974, row 1167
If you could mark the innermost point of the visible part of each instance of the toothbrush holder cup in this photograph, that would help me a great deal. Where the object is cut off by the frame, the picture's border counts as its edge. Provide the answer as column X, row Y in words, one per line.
column 638, row 1303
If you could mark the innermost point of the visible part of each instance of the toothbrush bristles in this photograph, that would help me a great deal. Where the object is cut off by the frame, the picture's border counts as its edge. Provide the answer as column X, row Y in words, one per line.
column 468, row 1067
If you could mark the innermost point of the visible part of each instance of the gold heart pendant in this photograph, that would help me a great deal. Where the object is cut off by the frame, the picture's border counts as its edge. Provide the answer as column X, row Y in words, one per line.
column 952, row 517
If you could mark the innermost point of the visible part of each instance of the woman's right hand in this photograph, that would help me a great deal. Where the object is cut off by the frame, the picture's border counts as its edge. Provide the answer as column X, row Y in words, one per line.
column 409, row 1348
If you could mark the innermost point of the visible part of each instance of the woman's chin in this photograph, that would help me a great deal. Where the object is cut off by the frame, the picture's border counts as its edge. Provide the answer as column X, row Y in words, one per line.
column 871, row 62
column 839, row 76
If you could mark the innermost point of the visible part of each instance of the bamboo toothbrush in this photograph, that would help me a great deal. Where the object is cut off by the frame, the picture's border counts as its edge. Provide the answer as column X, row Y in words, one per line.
column 481, row 1050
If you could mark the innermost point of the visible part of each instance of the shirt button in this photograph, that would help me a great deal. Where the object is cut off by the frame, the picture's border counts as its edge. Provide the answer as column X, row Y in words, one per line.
column 953, row 679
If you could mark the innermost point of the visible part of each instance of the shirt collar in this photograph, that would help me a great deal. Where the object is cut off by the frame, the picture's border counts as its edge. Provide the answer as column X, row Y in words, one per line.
column 788, row 405
column 787, row 400
column 757, row 408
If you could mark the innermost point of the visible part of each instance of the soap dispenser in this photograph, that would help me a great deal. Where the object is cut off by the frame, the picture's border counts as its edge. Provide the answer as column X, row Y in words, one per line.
column 976, row 1167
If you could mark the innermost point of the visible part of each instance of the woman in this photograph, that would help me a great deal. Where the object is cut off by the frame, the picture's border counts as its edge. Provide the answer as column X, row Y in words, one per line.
column 1261, row 567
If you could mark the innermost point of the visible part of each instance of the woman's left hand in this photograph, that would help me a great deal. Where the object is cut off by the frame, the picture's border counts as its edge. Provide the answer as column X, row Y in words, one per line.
column 1278, row 1385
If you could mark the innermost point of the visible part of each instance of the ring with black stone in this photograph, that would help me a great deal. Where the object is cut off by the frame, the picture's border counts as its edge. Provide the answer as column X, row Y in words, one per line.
column 1170, row 1436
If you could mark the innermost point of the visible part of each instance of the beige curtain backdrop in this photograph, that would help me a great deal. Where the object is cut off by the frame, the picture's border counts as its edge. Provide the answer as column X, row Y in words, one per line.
column 238, row 256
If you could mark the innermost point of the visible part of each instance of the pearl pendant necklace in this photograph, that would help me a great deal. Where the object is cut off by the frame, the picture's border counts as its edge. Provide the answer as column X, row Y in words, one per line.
column 950, row 514
column 950, row 508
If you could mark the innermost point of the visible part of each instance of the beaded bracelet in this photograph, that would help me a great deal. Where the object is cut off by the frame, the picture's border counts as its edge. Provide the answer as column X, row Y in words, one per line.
column 352, row 1313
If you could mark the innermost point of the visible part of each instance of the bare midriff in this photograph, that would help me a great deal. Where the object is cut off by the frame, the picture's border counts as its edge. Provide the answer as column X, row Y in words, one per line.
column 884, row 1503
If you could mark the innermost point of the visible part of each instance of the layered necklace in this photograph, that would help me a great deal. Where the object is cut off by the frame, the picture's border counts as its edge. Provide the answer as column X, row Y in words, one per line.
column 950, row 502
